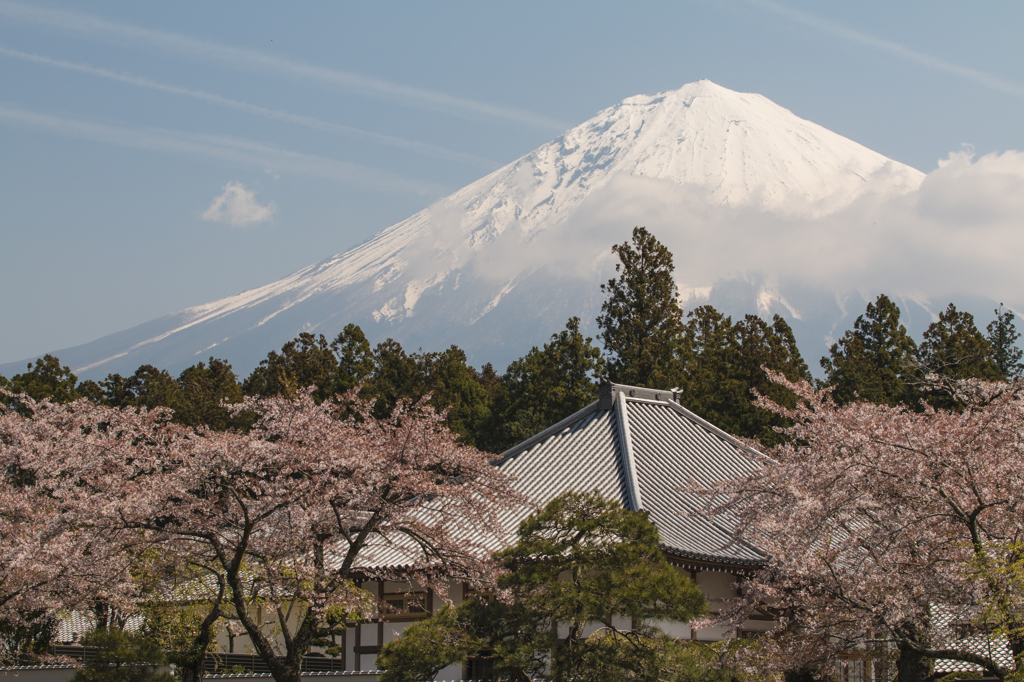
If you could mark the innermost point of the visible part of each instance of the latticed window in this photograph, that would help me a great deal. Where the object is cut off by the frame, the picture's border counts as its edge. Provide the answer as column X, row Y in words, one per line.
column 410, row 603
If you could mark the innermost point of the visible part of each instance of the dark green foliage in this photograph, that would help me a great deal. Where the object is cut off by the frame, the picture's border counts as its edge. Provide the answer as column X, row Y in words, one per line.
column 581, row 561
column 396, row 376
column 721, row 367
column 203, row 387
column 640, row 319
column 1002, row 338
column 22, row 642
column 876, row 361
column 543, row 387
column 953, row 348
column 306, row 360
column 148, row 387
column 453, row 386
column 46, row 379
column 354, row 356
column 91, row 391
column 123, row 657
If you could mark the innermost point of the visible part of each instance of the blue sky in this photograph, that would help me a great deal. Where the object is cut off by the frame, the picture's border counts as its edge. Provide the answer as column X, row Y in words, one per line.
column 157, row 156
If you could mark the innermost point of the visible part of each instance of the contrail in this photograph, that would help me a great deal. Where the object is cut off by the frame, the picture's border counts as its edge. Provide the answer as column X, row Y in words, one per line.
column 222, row 147
column 297, row 119
column 980, row 77
column 252, row 60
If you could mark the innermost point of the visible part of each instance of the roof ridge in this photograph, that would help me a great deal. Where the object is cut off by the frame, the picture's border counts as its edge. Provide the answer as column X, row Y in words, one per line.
column 626, row 452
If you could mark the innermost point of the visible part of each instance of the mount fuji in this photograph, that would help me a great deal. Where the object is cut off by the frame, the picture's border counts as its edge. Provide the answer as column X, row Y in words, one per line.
column 765, row 212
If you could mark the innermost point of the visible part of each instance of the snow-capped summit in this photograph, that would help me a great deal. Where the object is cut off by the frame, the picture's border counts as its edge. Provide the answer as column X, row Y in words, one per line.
column 502, row 263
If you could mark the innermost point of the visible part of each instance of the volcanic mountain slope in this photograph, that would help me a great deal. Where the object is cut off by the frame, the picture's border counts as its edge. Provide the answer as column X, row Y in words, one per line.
column 502, row 263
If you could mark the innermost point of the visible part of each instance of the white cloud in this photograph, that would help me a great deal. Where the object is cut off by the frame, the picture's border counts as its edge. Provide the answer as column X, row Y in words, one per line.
column 238, row 206
column 960, row 233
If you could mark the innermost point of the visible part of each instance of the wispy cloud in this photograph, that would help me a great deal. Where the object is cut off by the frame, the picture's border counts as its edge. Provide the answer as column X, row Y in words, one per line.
column 238, row 206
column 926, row 60
column 222, row 147
column 253, row 60
column 284, row 116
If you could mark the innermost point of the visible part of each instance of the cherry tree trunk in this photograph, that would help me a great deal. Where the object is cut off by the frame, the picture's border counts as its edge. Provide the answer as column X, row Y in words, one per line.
column 911, row 666
column 192, row 670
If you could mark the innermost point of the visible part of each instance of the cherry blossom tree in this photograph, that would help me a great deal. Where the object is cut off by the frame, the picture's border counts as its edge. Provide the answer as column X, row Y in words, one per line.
column 886, row 525
column 52, row 556
column 285, row 519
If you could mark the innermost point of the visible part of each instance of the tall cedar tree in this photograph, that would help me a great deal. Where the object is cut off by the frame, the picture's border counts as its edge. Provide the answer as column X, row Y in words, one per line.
column 203, row 389
column 306, row 360
column 355, row 358
column 543, row 387
column 581, row 562
column 641, row 319
column 953, row 349
column 47, row 379
column 1002, row 336
column 453, row 386
column 875, row 361
column 722, row 364
column 148, row 387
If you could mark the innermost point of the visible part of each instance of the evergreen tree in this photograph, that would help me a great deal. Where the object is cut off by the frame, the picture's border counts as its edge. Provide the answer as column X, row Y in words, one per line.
column 305, row 361
column 396, row 376
column 708, row 355
column 454, row 387
column 47, row 378
column 722, row 366
column 875, row 361
column 148, row 387
column 544, row 387
column 490, row 380
column 764, row 346
column 1002, row 338
column 953, row 348
column 203, row 389
column 640, row 319
column 122, row 657
column 579, row 562
column 92, row 391
column 354, row 357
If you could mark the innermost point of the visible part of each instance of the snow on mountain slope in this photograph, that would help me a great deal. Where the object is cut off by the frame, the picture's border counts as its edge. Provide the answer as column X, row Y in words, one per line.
column 501, row 263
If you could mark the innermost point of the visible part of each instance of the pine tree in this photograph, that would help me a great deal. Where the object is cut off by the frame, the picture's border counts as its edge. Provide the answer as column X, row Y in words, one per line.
column 1002, row 337
column 453, row 386
column 148, row 387
column 306, row 360
column 355, row 358
column 203, row 388
column 875, row 361
column 953, row 348
column 396, row 376
column 722, row 366
column 640, row 319
column 543, row 387
column 47, row 378
column 580, row 562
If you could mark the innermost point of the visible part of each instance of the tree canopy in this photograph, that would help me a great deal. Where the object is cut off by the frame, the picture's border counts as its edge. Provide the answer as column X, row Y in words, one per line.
column 640, row 318
column 584, row 586
column 876, row 360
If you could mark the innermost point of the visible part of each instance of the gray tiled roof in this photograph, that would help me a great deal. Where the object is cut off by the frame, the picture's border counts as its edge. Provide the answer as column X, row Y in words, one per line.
column 945, row 621
column 639, row 446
